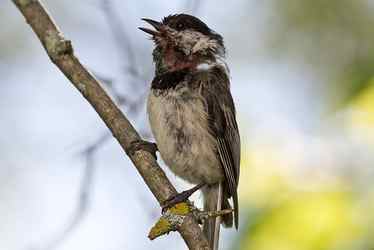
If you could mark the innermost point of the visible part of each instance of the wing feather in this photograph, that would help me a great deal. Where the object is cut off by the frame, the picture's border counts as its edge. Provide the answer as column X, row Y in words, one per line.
column 222, row 121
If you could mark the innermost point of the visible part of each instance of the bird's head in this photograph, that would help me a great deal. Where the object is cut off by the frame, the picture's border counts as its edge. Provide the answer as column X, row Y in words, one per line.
column 183, row 41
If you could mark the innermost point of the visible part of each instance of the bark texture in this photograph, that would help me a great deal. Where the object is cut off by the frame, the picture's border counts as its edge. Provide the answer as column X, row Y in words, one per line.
column 61, row 53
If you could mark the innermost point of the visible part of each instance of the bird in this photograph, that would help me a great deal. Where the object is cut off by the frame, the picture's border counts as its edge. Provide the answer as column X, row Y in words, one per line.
column 192, row 114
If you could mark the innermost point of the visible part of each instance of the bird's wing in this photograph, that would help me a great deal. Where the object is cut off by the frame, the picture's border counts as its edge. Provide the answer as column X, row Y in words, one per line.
column 222, row 121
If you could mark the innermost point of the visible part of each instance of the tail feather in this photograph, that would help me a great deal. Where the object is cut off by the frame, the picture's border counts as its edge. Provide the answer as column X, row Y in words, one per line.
column 213, row 197
column 236, row 208
column 227, row 219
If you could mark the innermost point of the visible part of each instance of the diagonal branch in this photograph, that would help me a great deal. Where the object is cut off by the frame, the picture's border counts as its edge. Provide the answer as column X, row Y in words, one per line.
column 61, row 53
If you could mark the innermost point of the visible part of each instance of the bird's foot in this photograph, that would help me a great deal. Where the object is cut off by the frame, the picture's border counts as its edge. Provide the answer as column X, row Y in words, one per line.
column 150, row 147
column 180, row 197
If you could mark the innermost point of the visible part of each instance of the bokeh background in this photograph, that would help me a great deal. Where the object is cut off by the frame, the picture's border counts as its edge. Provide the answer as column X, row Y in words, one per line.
column 302, row 80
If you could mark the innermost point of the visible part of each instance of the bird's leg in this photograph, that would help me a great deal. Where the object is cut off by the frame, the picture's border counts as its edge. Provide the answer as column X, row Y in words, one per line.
column 150, row 147
column 180, row 197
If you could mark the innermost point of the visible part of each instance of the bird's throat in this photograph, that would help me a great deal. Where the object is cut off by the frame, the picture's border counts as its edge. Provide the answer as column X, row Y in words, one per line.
column 176, row 61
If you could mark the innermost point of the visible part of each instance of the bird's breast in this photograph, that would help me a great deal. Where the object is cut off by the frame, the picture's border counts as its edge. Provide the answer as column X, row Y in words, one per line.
column 179, row 122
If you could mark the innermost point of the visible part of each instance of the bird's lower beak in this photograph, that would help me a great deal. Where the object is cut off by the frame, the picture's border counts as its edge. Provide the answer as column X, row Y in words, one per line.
column 155, row 24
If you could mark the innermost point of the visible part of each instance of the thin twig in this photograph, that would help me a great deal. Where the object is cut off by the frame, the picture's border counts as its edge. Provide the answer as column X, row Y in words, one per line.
column 81, row 208
column 122, row 39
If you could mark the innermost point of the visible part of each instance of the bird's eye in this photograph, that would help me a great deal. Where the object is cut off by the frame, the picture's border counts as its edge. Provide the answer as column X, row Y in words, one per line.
column 180, row 26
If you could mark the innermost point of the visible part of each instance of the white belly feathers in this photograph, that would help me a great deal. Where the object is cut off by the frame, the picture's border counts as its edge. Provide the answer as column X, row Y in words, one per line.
column 179, row 123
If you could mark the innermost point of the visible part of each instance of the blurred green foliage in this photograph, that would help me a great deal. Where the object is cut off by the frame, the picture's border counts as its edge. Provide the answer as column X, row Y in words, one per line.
column 328, row 215
column 310, row 221
column 335, row 37
column 316, row 210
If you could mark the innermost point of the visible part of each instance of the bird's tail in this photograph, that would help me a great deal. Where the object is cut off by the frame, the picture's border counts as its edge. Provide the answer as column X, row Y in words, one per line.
column 213, row 197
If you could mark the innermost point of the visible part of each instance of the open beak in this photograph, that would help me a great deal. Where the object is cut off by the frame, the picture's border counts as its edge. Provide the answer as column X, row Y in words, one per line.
column 155, row 24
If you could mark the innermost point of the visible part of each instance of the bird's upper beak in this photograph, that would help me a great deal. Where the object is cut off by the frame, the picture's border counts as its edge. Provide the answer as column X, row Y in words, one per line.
column 155, row 24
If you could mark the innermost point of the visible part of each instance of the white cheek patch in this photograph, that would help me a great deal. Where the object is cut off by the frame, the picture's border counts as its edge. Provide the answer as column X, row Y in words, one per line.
column 208, row 65
column 186, row 41
column 205, row 66
column 192, row 42
column 204, row 43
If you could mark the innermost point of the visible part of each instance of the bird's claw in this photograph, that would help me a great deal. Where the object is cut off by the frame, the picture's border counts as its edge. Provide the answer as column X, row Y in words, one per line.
column 150, row 147
column 180, row 197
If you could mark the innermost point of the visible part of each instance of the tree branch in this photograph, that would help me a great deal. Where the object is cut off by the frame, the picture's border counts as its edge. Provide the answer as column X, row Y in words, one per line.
column 61, row 53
